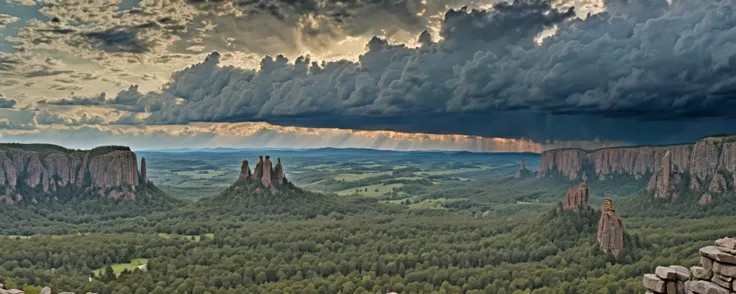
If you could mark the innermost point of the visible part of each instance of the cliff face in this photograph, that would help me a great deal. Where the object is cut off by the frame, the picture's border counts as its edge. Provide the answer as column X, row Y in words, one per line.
column 610, row 230
column 113, row 171
column 709, row 164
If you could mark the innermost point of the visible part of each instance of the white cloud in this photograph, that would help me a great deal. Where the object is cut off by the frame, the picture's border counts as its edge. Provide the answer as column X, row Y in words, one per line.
column 7, row 19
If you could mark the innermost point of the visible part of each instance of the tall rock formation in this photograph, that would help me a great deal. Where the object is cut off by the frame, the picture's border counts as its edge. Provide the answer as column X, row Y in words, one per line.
column 258, row 171
column 264, row 177
column 577, row 199
column 144, row 174
column 279, row 170
column 244, row 171
column 664, row 182
column 522, row 171
column 112, row 171
column 710, row 164
column 610, row 230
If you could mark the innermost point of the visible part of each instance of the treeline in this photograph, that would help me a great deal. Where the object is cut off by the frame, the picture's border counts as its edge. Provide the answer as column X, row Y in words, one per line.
column 413, row 252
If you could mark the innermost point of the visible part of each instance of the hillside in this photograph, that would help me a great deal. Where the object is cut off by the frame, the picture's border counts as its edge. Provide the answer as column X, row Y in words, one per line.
column 267, row 192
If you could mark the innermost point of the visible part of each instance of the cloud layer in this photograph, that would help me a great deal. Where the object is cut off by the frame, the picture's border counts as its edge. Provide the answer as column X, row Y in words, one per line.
column 637, row 61
column 644, row 71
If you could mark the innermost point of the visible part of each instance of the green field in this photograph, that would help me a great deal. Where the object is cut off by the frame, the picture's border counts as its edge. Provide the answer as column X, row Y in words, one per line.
column 18, row 237
column 449, row 171
column 358, row 177
column 120, row 267
column 201, row 174
column 425, row 204
column 461, row 170
column 373, row 190
column 38, row 236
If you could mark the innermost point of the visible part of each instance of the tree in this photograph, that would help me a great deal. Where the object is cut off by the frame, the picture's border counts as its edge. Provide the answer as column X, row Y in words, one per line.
column 109, row 274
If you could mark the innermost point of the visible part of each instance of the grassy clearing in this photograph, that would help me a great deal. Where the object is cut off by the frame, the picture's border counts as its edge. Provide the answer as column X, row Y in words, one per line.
column 120, row 267
column 18, row 237
column 427, row 203
column 38, row 236
column 460, row 170
column 357, row 177
column 371, row 165
column 184, row 237
column 371, row 190
column 201, row 174
column 405, row 178
column 449, row 171
column 321, row 166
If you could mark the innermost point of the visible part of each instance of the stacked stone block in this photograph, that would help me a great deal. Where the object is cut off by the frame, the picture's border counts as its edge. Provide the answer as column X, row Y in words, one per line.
column 715, row 275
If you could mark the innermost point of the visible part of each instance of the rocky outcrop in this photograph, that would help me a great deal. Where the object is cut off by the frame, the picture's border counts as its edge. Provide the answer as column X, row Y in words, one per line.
column 264, row 177
column 715, row 275
column 112, row 171
column 610, row 230
column 244, row 171
column 709, row 164
column 258, row 172
column 522, row 171
column 577, row 199
column 279, row 170
column 705, row 199
column 144, row 173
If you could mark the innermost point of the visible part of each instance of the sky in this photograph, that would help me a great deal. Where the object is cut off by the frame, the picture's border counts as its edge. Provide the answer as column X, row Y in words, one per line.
column 476, row 75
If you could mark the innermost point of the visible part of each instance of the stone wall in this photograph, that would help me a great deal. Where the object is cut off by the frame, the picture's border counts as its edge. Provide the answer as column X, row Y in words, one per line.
column 715, row 275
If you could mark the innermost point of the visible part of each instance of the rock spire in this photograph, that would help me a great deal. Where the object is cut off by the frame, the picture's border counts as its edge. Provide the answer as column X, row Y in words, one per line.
column 522, row 171
column 610, row 230
column 279, row 170
column 577, row 198
column 244, row 171
column 264, row 176
column 144, row 174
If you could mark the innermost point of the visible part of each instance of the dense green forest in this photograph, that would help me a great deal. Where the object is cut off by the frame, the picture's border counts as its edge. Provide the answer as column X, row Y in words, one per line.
column 462, row 227
column 306, row 242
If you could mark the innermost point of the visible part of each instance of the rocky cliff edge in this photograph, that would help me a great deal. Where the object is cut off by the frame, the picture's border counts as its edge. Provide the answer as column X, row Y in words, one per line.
column 708, row 166
column 111, row 171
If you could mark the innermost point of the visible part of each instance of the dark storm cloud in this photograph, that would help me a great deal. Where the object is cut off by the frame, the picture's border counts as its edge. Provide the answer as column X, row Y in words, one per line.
column 7, row 103
column 638, row 61
column 129, row 100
